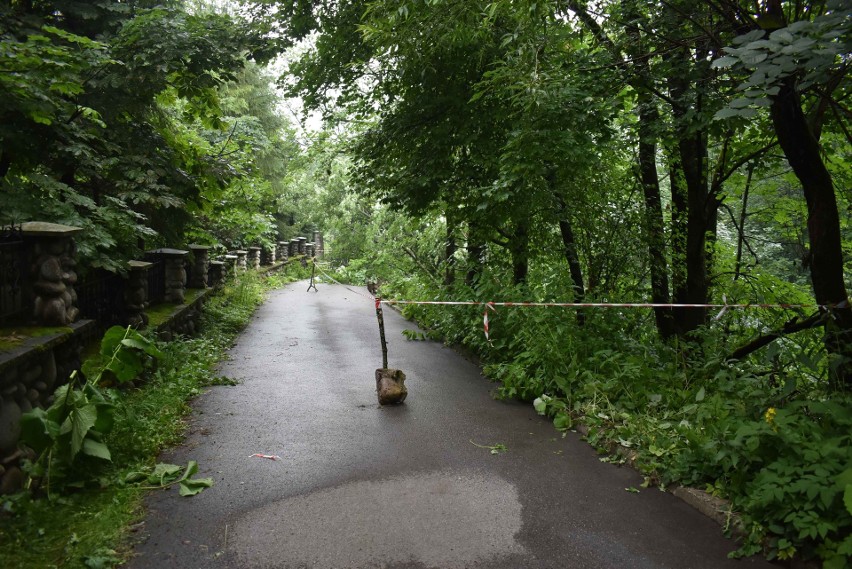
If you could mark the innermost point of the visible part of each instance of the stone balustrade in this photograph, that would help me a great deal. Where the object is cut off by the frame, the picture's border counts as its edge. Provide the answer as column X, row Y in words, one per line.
column 267, row 255
column 174, row 260
column 283, row 250
column 242, row 262
column 230, row 265
column 253, row 258
column 52, row 272
column 216, row 274
column 136, row 293
column 200, row 266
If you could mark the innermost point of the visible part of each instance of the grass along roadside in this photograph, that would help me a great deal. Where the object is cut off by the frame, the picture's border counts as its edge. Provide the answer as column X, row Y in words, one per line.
column 91, row 527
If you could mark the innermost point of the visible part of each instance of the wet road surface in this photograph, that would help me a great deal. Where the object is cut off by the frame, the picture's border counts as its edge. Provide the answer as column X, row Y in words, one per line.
column 359, row 485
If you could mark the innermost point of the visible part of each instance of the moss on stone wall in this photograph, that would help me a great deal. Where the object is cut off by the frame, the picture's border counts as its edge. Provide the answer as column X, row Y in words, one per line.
column 13, row 338
column 162, row 313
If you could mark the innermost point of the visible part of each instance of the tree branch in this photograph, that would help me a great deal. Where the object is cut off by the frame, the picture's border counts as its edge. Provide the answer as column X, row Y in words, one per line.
column 791, row 327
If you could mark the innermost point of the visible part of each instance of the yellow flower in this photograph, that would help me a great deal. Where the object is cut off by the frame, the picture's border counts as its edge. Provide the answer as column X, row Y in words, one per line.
column 769, row 416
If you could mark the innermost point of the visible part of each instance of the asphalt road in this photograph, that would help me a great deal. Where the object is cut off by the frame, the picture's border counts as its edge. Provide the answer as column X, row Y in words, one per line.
column 359, row 485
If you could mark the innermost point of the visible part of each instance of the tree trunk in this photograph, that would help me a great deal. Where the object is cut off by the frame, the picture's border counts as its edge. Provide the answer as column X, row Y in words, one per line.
column 5, row 163
column 700, row 205
column 801, row 148
column 738, row 264
column 654, row 228
column 450, row 252
column 475, row 251
column 649, row 116
column 519, row 248
column 570, row 250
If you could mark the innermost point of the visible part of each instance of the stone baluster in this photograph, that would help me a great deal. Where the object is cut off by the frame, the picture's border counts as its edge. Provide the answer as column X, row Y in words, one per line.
column 200, row 266
column 242, row 263
column 318, row 250
column 310, row 251
column 267, row 255
column 216, row 273
column 283, row 250
column 293, row 248
column 302, row 241
column 52, row 274
column 136, row 293
column 230, row 265
column 174, row 260
column 254, row 257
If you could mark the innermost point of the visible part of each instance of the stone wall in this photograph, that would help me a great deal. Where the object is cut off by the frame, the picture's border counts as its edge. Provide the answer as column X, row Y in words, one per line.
column 29, row 374
column 182, row 320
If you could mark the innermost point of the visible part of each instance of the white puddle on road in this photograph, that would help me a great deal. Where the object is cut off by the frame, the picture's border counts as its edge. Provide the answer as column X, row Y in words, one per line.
column 444, row 520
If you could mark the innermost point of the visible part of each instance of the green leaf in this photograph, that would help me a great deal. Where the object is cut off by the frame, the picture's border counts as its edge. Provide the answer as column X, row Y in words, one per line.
column 164, row 473
column 40, row 117
column 194, row 486
column 135, row 477
column 540, row 406
column 847, row 498
column 79, row 421
column 562, row 421
column 191, row 469
column 700, row 395
column 140, row 342
column 726, row 113
column 97, row 449
column 126, row 365
column 38, row 431
column 723, row 62
column 846, row 547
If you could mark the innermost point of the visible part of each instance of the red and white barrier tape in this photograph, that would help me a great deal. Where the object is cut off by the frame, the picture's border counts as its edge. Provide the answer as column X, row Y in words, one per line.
column 488, row 306
column 492, row 305
column 605, row 304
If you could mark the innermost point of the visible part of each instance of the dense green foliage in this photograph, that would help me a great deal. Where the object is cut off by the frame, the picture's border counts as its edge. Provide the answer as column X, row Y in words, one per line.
column 617, row 151
column 147, row 123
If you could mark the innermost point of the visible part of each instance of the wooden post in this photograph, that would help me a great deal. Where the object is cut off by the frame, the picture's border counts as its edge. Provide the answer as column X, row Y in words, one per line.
column 382, row 332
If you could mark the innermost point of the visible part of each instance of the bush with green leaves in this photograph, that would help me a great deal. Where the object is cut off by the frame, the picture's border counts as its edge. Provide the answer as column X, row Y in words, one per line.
column 68, row 436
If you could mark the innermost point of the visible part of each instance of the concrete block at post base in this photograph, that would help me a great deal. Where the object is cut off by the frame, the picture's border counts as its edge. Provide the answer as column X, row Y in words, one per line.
column 390, row 386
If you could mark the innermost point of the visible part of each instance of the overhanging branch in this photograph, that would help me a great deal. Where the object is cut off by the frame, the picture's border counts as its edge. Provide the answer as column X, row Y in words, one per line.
column 791, row 327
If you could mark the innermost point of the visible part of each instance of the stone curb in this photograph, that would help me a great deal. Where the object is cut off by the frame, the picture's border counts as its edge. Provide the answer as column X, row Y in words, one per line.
column 717, row 509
